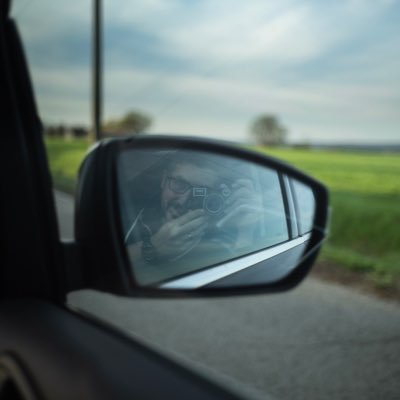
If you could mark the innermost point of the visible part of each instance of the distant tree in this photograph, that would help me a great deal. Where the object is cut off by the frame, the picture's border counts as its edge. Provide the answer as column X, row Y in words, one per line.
column 60, row 130
column 79, row 131
column 50, row 130
column 70, row 131
column 133, row 122
column 268, row 131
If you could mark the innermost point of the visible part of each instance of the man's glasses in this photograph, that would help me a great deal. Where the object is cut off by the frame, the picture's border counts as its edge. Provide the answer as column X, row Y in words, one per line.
column 178, row 185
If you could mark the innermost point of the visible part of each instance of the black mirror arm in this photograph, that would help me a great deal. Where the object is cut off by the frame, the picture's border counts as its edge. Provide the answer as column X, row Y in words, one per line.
column 73, row 265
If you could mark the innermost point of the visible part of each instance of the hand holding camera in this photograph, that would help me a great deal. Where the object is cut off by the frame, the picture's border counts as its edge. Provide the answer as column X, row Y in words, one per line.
column 178, row 236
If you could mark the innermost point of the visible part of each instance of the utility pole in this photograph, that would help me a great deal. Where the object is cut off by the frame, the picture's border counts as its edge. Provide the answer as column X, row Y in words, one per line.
column 97, row 68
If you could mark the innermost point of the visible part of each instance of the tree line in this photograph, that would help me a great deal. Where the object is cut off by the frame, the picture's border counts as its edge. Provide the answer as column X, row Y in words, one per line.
column 265, row 130
column 132, row 123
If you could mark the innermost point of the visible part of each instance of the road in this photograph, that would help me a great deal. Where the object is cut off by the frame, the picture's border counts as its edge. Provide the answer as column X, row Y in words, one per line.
column 319, row 341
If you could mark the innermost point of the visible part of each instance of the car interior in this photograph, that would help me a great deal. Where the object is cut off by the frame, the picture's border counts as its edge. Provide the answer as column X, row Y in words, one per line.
column 51, row 351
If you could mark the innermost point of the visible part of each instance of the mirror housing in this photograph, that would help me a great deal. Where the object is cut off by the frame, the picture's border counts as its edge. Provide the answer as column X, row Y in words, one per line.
column 103, row 227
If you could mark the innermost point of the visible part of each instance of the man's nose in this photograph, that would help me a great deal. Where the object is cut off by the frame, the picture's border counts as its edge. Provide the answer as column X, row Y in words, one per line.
column 182, row 198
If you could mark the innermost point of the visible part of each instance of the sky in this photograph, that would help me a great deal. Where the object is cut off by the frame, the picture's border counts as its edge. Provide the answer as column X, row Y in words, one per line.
column 329, row 70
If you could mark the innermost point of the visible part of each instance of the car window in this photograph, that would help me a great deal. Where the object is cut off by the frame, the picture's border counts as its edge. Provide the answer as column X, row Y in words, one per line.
column 305, row 206
column 56, row 38
column 308, row 74
column 231, row 208
column 58, row 51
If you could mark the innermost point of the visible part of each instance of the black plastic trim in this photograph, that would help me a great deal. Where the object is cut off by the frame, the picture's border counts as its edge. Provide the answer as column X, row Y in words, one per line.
column 71, row 356
column 15, row 381
column 28, row 229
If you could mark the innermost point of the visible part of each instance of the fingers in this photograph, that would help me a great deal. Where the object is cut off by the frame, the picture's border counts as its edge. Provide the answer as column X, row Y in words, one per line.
column 189, row 216
column 189, row 222
column 250, row 200
column 198, row 223
column 243, row 183
column 178, row 232
column 195, row 235
column 245, row 202
column 186, row 241
column 242, row 188
column 244, row 194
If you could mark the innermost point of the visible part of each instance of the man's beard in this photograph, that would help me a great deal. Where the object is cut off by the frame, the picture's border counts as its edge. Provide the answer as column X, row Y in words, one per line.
column 174, row 210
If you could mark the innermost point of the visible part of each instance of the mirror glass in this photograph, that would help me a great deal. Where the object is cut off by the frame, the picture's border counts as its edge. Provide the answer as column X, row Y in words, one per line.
column 193, row 219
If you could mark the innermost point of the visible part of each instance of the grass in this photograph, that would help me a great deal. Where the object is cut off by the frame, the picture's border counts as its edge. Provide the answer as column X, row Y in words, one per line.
column 64, row 159
column 365, row 201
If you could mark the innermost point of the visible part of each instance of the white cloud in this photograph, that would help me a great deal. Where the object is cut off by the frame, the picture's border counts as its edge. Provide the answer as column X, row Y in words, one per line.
column 225, row 107
column 249, row 35
column 212, row 33
column 63, row 95
column 237, row 60
column 51, row 18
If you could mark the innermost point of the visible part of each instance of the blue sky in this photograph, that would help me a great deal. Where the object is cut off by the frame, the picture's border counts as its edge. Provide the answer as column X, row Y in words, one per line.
column 329, row 70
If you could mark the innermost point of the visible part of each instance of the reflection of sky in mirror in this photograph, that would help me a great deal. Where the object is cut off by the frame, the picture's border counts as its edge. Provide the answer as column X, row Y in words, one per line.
column 329, row 70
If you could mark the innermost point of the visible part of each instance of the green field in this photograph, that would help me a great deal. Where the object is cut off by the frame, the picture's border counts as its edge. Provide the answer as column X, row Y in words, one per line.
column 365, row 201
column 64, row 158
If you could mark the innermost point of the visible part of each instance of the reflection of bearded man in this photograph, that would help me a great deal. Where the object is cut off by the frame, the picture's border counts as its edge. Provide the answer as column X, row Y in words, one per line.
column 169, row 230
column 177, row 184
column 177, row 225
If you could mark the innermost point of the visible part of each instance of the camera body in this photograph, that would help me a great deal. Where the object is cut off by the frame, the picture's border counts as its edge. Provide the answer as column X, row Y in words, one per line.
column 209, row 200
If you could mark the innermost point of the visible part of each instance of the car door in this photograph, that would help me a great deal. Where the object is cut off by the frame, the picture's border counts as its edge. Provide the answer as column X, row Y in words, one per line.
column 47, row 351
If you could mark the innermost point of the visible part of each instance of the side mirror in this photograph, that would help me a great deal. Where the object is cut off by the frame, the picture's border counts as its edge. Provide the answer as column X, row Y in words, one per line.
column 165, row 215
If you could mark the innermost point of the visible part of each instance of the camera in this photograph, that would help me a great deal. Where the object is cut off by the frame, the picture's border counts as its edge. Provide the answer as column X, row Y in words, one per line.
column 211, row 201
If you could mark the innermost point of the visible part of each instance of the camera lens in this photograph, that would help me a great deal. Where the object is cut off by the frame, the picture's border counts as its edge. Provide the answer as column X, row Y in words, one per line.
column 214, row 204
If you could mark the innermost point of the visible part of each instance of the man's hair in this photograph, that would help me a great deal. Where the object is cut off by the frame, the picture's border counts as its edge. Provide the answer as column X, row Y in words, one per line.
column 226, row 168
column 197, row 158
